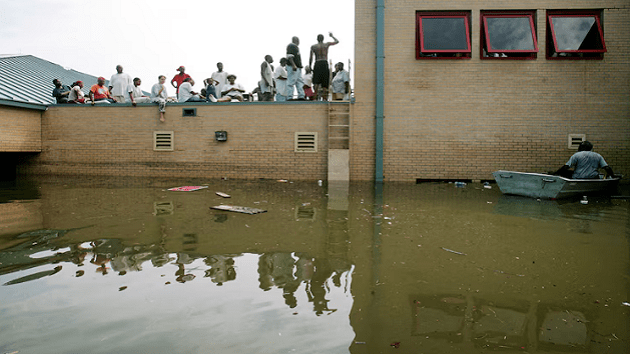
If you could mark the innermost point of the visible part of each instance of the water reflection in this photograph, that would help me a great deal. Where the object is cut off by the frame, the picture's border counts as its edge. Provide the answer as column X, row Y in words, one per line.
column 144, row 269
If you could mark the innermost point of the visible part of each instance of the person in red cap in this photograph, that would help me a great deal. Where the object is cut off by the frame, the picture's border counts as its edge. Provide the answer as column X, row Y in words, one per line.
column 99, row 93
column 76, row 95
column 179, row 78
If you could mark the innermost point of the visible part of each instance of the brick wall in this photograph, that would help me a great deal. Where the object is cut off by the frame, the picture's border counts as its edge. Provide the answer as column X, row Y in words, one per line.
column 118, row 141
column 20, row 129
column 467, row 118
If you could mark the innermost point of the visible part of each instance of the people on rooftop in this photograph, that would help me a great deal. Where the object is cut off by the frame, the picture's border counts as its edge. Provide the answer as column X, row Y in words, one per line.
column 308, row 83
column 76, row 95
column 266, row 86
column 99, row 93
column 119, row 85
column 159, row 95
column 220, row 79
column 340, row 82
column 179, row 78
column 135, row 93
column 232, row 89
column 60, row 92
column 321, row 72
column 186, row 93
column 294, row 70
column 280, row 75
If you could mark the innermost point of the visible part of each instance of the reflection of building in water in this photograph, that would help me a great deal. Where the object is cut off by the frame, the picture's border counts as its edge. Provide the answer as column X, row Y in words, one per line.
column 221, row 268
column 490, row 325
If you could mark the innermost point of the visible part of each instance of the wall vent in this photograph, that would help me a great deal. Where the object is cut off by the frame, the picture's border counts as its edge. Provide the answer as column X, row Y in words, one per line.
column 575, row 140
column 163, row 141
column 304, row 213
column 305, row 142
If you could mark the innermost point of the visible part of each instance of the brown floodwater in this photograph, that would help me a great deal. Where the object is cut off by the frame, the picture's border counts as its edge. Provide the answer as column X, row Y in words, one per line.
column 127, row 266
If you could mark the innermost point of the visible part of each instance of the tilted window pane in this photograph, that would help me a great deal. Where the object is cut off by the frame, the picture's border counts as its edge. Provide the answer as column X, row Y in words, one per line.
column 510, row 33
column 444, row 34
column 576, row 33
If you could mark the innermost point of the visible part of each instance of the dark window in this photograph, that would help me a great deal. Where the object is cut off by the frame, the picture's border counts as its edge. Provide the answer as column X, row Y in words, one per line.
column 443, row 35
column 575, row 35
column 508, row 35
column 189, row 112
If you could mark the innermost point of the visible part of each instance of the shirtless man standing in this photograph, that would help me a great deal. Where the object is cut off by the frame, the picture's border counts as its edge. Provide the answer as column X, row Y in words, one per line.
column 321, row 72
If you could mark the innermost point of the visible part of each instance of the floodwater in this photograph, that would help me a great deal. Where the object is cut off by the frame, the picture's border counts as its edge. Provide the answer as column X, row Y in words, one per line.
column 127, row 266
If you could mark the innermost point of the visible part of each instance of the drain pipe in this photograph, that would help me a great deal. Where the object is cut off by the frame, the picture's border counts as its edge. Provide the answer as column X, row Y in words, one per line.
column 380, row 78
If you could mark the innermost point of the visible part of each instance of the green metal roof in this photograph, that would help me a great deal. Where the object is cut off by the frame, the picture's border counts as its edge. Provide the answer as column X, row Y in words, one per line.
column 25, row 78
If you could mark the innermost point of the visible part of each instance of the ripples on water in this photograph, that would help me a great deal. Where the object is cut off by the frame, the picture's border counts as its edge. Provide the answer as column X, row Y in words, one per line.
column 126, row 266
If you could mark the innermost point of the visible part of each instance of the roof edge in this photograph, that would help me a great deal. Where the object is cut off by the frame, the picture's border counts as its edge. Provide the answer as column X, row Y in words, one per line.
column 20, row 104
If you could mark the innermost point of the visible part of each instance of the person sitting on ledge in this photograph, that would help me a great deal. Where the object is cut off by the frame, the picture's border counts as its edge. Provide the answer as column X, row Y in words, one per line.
column 135, row 93
column 586, row 164
column 61, row 92
column 233, row 90
column 99, row 93
column 159, row 96
column 185, row 92
column 211, row 93
column 76, row 95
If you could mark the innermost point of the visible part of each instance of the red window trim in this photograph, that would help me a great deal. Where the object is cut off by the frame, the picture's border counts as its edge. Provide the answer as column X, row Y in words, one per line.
column 484, row 32
column 420, row 39
column 595, row 14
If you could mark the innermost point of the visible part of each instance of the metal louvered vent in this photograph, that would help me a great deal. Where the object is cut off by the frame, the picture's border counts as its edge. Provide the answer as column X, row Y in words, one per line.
column 163, row 141
column 575, row 140
column 305, row 142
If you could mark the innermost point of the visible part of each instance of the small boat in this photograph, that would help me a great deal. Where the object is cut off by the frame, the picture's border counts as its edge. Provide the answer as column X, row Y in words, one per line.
column 539, row 185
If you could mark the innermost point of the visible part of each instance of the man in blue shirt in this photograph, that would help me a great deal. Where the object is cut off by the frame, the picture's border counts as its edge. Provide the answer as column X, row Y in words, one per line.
column 586, row 164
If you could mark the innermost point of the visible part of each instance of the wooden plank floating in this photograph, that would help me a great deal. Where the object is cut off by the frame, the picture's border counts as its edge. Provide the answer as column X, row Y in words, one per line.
column 238, row 209
column 221, row 194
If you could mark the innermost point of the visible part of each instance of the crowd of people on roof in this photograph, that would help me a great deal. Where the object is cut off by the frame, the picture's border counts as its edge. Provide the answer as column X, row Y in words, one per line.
column 279, row 83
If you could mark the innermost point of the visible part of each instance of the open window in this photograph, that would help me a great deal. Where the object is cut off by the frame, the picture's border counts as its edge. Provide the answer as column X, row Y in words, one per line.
column 508, row 35
column 575, row 35
column 443, row 35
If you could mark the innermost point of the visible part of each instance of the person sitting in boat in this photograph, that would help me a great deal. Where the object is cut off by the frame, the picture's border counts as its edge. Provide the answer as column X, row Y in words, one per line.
column 586, row 164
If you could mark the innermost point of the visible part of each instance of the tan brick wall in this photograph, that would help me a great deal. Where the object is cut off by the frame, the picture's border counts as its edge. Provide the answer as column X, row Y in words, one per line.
column 20, row 130
column 118, row 141
column 467, row 118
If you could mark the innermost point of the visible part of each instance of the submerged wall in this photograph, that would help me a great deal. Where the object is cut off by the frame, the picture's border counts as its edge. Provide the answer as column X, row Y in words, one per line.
column 20, row 129
column 464, row 118
column 119, row 141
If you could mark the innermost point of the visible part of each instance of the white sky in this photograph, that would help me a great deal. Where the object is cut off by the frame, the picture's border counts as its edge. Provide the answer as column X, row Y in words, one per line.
column 151, row 38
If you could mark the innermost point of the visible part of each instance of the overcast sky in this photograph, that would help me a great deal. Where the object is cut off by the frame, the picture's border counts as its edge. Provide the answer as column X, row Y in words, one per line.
column 154, row 37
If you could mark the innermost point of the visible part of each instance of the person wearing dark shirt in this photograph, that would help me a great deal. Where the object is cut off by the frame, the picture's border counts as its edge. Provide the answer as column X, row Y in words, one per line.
column 294, row 70
column 61, row 92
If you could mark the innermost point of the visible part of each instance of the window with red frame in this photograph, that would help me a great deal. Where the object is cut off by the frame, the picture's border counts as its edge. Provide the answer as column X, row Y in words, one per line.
column 575, row 35
column 508, row 35
column 443, row 35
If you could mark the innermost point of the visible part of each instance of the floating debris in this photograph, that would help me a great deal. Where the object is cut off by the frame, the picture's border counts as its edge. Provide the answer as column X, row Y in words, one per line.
column 221, row 194
column 460, row 253
column 238, row 209
column 187, row 188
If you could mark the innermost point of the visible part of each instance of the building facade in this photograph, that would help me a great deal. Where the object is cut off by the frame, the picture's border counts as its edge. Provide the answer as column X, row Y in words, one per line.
column 455, row 107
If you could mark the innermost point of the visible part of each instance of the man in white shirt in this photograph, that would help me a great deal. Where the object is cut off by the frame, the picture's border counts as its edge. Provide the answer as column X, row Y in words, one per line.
column 119, row 85
column 266, row 83
column 220, row 79
column 159, row 96
column 186, row 94
column 280, row 75
column 135, row 93
column 233, row 90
